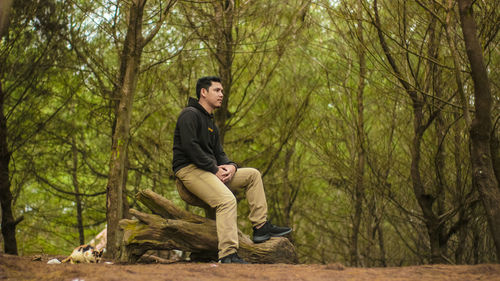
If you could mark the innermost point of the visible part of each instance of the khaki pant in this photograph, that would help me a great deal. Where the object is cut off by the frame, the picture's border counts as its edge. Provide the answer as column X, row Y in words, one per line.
column 206, row 186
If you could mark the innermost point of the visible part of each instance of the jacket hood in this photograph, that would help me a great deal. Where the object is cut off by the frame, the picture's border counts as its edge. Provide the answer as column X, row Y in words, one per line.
column 192, row 102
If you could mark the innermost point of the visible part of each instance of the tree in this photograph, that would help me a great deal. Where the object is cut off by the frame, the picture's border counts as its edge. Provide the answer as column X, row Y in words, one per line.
column 359, row 193
column 481, row 128
column 26, row 56
column 8, row 221
column 123, row 94
column 239, row 40
column 417, row 91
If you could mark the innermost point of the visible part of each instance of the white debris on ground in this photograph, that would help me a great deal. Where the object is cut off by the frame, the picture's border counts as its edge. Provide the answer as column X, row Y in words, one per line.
column 54, row 261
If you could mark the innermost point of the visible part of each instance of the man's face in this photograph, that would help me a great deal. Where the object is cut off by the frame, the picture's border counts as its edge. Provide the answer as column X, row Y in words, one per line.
column 214, row 95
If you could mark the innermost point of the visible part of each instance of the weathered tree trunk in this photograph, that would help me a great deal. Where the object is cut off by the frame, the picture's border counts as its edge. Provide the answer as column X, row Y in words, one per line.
column 124, row 97
column 175, row 228
column 124, row 93
column 483, row 174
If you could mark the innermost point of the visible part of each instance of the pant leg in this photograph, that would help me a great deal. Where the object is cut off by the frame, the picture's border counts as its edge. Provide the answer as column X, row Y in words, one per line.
column 250, row 181
column 206, row 186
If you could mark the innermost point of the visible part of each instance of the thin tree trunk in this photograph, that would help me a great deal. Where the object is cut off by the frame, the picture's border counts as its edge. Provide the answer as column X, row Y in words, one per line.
column 456, row 64
column 287, row 187
column 381, row 245
column 8, row 221
column 124, row 93
column 224, row 16
column 482, row 166
column 495, row 148
column 359, row 188
column 76, row 186
column 433, row 83
column 424, row 198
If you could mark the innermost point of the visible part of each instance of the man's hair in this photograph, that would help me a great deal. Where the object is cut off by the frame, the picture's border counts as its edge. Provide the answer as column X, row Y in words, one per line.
column 205, row 83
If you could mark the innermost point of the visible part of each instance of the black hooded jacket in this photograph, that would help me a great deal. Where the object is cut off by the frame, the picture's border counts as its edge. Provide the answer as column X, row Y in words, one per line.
column 196, row 140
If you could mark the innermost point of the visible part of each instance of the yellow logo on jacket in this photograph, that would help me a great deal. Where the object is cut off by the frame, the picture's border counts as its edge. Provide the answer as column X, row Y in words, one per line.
column 211, row 130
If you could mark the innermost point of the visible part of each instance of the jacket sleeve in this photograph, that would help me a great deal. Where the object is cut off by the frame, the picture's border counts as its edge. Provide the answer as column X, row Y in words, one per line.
column 187, row 124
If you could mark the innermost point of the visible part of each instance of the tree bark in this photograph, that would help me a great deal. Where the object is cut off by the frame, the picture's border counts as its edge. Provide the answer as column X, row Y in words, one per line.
column 424, row 198
column 456, row 63
column 483, row 174
column 76, row 186
column 123, row 96
column 8, row 221
column 5, row 6
column 124, row 93
column 433, row 84
column 175, row 228
column 359, row 188
column 224, row 17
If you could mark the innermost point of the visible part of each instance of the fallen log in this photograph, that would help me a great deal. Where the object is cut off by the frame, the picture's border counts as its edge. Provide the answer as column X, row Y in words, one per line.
column 172, row 228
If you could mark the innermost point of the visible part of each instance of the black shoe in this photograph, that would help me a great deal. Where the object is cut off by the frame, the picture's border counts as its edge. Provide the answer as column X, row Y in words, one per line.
column 269, row 230
column 232, row 258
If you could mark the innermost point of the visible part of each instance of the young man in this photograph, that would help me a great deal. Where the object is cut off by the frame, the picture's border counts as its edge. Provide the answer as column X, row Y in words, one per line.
column 205, row 170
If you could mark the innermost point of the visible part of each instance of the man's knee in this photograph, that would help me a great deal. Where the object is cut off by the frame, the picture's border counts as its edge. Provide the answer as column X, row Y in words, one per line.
column 227, row 201
column 253, row 173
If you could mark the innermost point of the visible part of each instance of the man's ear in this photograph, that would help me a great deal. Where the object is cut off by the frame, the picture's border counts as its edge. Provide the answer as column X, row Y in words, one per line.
column 203, row 92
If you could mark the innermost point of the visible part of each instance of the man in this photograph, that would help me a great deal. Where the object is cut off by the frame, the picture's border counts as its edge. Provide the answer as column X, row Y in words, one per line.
column 200, row 163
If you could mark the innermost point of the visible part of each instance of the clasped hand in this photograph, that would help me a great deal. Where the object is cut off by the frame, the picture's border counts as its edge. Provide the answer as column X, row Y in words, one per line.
column 226, row 173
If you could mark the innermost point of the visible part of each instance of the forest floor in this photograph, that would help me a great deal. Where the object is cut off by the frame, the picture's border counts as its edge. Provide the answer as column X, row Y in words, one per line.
column 36, row 268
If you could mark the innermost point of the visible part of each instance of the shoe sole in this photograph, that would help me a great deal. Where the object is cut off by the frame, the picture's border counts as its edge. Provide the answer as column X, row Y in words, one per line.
column 281, row 233
column 260, row 239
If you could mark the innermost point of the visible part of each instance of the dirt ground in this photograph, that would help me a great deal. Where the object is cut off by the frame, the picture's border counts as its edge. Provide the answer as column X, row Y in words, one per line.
column 26, row 268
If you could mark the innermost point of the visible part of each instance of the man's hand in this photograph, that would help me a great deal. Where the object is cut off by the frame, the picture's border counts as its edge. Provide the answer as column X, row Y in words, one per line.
column 226, row 173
